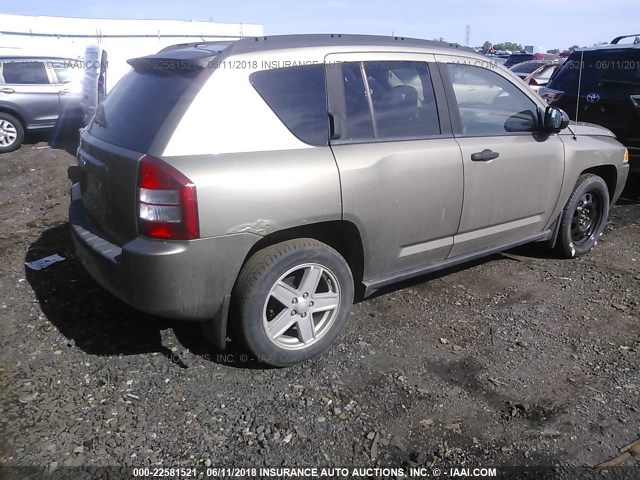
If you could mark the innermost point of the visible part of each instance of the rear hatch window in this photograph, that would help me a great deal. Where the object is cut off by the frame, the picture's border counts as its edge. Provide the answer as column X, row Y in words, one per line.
column 134, row 114
column 605, row 68
column 138, row 117
column 609, row 80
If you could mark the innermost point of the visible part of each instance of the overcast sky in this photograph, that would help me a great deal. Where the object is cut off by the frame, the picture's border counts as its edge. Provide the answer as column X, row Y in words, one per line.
column 545, row 23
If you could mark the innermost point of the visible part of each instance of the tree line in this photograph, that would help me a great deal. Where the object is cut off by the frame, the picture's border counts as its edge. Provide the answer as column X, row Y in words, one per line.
column 516, row 47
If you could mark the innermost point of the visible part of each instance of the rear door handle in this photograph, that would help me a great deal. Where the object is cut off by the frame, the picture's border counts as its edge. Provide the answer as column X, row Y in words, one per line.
column 8, row 90
column 484, row 156
column 64, row 91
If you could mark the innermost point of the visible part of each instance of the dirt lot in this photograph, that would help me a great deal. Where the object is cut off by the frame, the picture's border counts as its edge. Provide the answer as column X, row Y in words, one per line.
column 520, row 359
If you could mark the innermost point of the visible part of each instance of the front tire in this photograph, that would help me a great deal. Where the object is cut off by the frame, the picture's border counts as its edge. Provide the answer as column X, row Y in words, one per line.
column 292, row 300
column 11, row 133
column 584, row 218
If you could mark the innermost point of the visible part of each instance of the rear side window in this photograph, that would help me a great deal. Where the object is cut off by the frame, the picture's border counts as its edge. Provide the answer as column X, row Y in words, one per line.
column 358, row 123
column 24, row 73
column 400, row 95
column 297, row 95
column 138, row 107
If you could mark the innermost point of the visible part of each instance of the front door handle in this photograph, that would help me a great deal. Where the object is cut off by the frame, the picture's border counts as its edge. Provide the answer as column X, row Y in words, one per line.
column 484, row 156
column 8, row 90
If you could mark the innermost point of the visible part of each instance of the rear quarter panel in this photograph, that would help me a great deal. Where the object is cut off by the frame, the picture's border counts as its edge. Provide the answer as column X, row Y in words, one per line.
column 252, row 174
column 262, row 192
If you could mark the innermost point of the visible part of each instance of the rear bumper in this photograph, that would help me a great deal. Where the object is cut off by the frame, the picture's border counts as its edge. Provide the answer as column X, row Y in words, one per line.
column 176, row 279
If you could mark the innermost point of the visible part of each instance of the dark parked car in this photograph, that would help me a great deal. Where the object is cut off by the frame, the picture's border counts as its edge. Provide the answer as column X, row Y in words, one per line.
column 34, row 93
column 609, row 91
column 516, row 58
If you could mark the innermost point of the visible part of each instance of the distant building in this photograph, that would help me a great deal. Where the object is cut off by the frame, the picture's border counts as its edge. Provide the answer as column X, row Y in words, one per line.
column 69, row 36
column 107, row 43
column 534, row 49
column 122, row 39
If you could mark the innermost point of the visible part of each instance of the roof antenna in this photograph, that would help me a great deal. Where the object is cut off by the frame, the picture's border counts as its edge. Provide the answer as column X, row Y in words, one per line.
column 578, row 95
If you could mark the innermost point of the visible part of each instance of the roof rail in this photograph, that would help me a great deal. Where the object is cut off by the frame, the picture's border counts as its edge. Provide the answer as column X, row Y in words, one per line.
column 617, row 39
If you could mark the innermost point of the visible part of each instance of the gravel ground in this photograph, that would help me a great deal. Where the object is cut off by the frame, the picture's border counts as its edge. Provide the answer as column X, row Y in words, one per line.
column 519, row 359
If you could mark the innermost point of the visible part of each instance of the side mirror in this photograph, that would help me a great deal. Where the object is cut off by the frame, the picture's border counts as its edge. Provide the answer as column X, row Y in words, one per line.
column 524, row 121
column 555, row 119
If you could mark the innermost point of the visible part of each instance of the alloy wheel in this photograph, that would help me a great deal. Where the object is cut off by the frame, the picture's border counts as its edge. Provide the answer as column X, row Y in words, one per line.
column 8, row 133
column 301, row 306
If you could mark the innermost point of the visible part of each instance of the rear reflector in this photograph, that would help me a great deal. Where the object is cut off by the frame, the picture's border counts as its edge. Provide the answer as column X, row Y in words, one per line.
column 167, row 202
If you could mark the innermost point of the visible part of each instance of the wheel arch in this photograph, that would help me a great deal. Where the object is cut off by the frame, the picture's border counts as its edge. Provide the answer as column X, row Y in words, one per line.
column 608, row 173
column 14, row 113
column 341, row 235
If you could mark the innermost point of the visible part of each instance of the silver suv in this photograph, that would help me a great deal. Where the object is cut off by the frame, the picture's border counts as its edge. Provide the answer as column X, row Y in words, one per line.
column 34, row 93
column 257, row 185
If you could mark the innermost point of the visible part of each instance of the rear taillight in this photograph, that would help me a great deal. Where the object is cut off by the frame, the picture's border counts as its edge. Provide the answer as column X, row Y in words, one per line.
column 551, row 95
column 167, row 202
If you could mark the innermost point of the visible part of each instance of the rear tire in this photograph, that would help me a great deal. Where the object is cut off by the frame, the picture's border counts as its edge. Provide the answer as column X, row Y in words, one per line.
column 11, row 133
column 584, row 218
column 292, row 300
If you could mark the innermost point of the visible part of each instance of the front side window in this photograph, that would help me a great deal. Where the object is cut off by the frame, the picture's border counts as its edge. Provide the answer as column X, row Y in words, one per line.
column 297, row 95
column 489, row 104
column 24, row 73
column 398, row 93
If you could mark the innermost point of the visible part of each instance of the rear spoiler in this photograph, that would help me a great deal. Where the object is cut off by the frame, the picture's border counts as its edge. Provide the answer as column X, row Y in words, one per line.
column 178, row 59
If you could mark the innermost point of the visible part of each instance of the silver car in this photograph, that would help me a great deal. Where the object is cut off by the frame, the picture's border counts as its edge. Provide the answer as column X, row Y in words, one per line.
column 35, row 92
column 256, row 186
